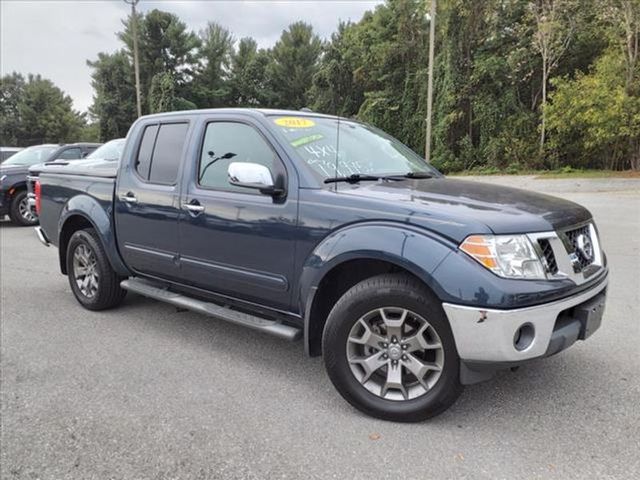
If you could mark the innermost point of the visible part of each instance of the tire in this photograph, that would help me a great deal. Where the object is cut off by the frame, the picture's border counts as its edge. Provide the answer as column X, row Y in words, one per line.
column 347, row 342
column 20, row 213
column 100, row 289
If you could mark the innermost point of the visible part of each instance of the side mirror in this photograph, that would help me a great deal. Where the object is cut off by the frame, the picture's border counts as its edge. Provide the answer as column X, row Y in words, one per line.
column 253, row 175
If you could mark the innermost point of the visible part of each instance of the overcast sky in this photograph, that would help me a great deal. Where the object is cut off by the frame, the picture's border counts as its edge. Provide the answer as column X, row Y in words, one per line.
column 56, row 37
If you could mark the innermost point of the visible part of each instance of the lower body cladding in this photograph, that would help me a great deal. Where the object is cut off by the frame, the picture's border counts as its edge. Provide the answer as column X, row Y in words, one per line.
column 490, row 340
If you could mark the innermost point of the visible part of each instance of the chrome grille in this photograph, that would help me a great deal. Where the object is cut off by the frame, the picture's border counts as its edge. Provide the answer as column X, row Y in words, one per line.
column 571, row 253
column 549, row 257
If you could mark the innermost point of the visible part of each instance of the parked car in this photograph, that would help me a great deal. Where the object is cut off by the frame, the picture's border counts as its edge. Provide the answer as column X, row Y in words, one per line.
column 13, row 172
column 296, row 224
column 110, row 151
column 6, row 152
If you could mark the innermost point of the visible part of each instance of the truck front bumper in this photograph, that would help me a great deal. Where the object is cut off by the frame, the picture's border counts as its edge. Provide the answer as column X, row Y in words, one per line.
column 504, row 338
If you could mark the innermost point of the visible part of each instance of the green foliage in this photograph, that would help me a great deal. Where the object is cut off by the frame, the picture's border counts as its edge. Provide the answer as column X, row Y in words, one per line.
column 248, row 77
column 162, row 95
column 211, row 87
column 593, row 117
column 114, row 100
column 36, row 111
column 294, row 61
column 519, row 84
column 164, row 45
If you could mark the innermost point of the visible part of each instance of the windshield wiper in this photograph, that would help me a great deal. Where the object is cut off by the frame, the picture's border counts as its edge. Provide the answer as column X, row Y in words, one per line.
column 358, row 177
column 354, row 178
column 412, row 175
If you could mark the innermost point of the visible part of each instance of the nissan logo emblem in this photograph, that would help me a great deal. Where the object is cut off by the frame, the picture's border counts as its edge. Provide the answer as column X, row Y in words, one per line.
column 585, row 247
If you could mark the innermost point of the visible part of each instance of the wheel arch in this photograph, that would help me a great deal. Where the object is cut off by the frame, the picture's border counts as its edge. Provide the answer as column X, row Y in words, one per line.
column 85, row 212
column 335, row 266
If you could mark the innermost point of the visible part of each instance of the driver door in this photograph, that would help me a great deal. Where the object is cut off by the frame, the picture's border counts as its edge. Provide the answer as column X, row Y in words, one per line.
column 236, row 241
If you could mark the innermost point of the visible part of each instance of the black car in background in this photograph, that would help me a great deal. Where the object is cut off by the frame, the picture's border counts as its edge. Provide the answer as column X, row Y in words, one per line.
column 110, row 151
column 13, row 176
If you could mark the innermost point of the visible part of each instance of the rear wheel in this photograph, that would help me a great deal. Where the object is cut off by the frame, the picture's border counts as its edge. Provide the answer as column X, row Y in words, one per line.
column 20, row 212
column 93, row 282
column 389, row 350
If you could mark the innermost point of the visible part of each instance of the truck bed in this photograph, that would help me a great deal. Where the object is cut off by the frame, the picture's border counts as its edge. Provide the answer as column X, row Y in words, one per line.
column 60, row 183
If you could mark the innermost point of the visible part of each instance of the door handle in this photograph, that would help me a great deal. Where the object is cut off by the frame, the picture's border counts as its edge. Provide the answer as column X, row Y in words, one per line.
column 129, row 198
column 193, row 208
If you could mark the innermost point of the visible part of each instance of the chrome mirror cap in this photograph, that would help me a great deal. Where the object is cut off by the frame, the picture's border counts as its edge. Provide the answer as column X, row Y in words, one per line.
column 250, row 175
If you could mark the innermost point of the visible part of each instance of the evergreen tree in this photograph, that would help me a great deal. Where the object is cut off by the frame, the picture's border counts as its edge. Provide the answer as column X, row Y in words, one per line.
column 294, row 63
column 114, row 100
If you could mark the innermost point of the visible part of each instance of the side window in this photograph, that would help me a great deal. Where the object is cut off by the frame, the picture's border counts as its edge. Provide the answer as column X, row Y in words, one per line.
column 143, row 161
column 71, row 154
column 227, row 142
column 168, row 153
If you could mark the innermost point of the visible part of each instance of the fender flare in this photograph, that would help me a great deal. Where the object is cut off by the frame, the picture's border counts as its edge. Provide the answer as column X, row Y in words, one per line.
column 414, row 249
column 91, row 210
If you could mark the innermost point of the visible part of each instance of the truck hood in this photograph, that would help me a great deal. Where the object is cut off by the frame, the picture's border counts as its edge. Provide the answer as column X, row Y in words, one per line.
column 500, row 209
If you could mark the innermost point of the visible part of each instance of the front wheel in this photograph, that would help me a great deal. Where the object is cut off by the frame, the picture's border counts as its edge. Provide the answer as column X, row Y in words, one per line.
column 93, row 282
column 389, row 350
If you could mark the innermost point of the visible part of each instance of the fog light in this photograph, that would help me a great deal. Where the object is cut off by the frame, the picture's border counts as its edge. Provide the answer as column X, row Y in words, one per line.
column 523, row 337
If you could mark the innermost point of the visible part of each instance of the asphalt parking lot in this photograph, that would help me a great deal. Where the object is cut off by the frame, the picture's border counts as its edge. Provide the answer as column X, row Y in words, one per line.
column 146, row 392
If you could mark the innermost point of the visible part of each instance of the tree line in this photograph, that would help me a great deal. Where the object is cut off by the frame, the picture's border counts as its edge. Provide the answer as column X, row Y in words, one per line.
column 519, row 84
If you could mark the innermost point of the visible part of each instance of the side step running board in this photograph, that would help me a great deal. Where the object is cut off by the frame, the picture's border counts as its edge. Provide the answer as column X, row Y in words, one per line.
column 148, row 289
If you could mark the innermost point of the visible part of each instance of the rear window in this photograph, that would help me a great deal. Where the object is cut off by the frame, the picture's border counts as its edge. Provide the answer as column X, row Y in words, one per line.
column 143, row 162
column 167, row 153
column 160, row 152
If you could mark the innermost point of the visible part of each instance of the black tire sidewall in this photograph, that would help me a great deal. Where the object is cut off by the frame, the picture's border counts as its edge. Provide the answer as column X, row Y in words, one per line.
column 106, row 275
column 363, row 298
column 14, row 211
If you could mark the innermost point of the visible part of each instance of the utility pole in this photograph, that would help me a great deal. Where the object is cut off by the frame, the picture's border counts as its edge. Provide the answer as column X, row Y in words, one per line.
column 136, row 65
column 432, row 41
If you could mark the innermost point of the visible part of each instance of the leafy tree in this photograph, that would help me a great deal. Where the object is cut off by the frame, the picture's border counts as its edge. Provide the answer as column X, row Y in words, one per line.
column 593, row 119
column 249, row 85
column 507, row 75
column 162, row 95
column 335, row 89
column 554, row 30
column 11, row 92
column 114, row 107
column 36, row 111
column 294, row 62
column 165, row 45
column 211, row 87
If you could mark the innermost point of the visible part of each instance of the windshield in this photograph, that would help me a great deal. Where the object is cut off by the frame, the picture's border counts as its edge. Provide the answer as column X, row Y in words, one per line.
column 361, row 149
column 31, row 156
column 109, row 151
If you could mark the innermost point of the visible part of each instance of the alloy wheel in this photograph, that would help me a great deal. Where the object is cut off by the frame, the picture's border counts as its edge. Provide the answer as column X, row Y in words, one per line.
column 85, row 270
column 25, row 211
column 395, row 353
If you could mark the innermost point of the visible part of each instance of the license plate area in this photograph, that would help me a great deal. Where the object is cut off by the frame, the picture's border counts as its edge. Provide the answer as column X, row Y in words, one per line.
column 590, row 315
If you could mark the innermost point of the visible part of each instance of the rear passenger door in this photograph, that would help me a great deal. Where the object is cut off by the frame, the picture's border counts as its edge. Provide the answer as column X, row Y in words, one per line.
column 147, row 199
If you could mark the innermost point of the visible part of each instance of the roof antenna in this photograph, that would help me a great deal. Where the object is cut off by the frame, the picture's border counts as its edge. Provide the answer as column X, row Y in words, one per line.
column 337, row 151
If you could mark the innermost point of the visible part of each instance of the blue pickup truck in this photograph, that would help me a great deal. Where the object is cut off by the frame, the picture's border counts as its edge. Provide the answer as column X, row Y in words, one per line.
column 297, row 224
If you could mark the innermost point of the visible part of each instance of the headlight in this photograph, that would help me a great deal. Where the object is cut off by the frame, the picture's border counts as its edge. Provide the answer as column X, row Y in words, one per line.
column 510, row 256
column 2, row 178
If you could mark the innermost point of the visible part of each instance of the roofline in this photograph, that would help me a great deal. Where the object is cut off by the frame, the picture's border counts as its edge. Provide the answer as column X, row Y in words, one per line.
column 265, row 112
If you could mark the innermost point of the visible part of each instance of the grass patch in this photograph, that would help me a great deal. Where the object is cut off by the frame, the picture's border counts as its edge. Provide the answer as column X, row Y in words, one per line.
column 565, row 172
column 574, row 173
